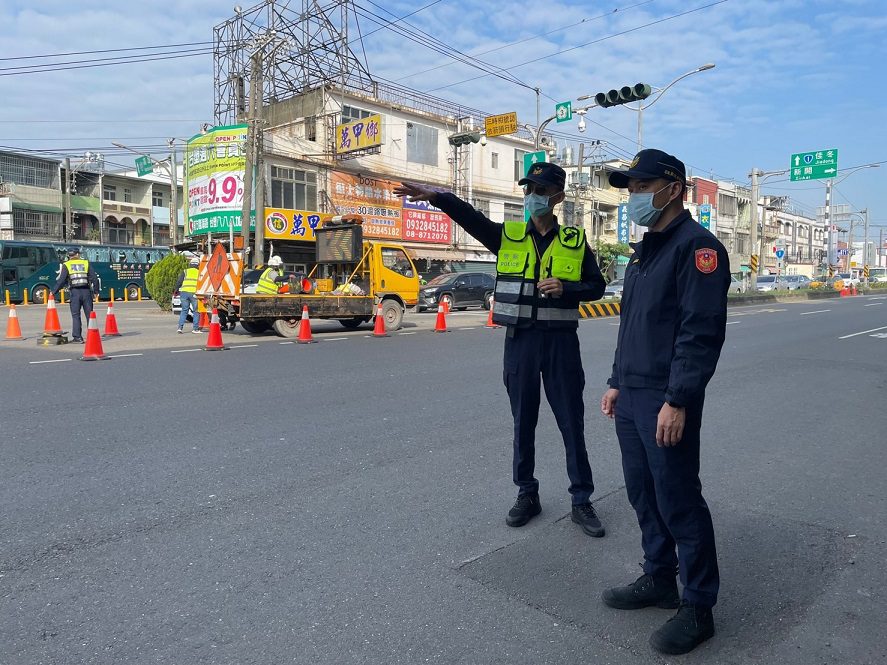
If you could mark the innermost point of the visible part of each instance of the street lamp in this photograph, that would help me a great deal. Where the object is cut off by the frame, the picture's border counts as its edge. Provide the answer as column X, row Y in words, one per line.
column 829, row 184
column 643, row 107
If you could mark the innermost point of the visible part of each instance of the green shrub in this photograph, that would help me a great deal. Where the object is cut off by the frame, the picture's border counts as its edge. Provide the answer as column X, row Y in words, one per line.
column 162, row 277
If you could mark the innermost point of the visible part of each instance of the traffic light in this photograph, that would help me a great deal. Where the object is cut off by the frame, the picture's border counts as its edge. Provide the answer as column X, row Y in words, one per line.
column 626, row 94
column 464, row 138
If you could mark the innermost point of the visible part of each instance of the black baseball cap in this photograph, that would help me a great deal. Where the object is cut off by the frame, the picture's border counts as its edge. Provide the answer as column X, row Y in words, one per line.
column 545, row 173
column 73, row 251
column 648, row 165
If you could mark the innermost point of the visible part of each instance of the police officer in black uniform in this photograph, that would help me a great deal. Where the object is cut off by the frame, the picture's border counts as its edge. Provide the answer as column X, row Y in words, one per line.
column 674, row 316
column 544, row 271
column 81, row 280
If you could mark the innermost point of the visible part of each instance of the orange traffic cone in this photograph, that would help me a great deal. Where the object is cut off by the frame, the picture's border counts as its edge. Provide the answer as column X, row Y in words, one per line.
column 214, row 340
column 490, row 323
column 13, row 329
column 305, row 328
column 93, row 350
column 111, row 322
column 854, row 291
column 446, row 305
column 51, row 323
column 379, row 327
column 441, row 324
column 203, row 324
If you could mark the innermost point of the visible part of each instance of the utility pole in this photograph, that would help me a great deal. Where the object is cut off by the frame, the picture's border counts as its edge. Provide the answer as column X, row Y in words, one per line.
column 259, row 147
column 865, row 249
column 828, row 224
column 248, row 170
column 173, row 194
column 67, row 233
column 753, row 227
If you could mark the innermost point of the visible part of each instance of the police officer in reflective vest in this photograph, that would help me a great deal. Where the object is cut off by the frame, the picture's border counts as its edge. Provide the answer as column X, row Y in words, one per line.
column 187, row 288
column 82, row 282
column 674, row 317
column 271, row 276
column 544, row 271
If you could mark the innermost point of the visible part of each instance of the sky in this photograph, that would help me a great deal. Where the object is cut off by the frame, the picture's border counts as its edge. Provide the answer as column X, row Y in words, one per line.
column 790, row 76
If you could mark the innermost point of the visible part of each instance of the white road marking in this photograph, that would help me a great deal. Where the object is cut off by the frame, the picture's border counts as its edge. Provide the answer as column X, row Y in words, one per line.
column 879, row 335
column 286, row 342
column 406, row 333
column 127, row 355
column 335, row 339
column 864, row 332
column 186, row 350
column 466, row 328
column 873, row 304
column 818, row 311
column 730, row 323
column 40, row 362
column 243, row 346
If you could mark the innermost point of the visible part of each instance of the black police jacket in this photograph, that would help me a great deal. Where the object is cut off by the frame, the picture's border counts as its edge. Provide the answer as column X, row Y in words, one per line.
column 673, row 313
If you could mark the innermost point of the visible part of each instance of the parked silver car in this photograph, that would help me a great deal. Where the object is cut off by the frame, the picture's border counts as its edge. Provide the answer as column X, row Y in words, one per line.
column 771, row 283
column 736, row 285
column 614, row 289
column 795, row 282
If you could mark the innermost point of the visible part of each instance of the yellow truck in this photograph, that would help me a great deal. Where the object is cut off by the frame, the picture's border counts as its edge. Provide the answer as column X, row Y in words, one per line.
column 351, row 278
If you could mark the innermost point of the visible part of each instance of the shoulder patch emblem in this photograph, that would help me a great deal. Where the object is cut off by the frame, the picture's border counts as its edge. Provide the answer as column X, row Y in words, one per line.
column 706, row 260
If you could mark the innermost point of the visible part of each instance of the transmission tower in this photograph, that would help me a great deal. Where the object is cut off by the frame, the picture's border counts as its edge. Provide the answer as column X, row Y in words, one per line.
column 317, row 53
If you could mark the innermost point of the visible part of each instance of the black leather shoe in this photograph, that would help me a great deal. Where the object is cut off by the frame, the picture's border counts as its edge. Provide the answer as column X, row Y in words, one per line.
column 524, row 509
column 585, row 516
column 645, row 591
column 686, row 630
column 77, row 340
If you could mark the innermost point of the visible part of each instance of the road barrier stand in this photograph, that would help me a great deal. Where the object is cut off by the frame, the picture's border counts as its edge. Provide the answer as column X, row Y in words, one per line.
column 25, row 297
column 140, row 294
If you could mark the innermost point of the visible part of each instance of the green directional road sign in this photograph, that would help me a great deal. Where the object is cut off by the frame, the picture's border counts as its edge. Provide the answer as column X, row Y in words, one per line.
column 814, row 165
column 144, row 166
column 563, row 111
column 531, row 158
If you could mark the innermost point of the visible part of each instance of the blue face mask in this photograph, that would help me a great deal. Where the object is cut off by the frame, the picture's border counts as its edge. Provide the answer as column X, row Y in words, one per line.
column 641, row 210
column 537, row 205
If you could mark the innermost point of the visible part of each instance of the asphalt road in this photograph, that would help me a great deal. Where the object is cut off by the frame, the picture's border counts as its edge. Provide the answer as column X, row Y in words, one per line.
column 344, row 502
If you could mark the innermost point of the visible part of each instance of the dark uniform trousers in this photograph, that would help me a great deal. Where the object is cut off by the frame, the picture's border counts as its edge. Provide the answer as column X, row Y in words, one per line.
column 81, row 298
column 553, row 356
column 664, row 489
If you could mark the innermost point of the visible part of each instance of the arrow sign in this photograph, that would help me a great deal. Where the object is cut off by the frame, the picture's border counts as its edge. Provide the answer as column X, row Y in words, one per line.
column 814, row 165
column 830, row 171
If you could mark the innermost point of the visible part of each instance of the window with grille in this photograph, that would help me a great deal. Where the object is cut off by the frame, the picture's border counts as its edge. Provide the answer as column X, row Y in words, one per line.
column 26, row 171
column 482, row 206
column 518, row 167
column 293, row 189
column 157, row 199
column 352, row 113
column 421, row 144
column 109, row 192
column 127, row 195
column 514, row 212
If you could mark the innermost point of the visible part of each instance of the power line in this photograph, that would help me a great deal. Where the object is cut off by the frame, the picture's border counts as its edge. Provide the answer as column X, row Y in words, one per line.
column 58, row 68
column 532, row 38
column 109, row 50
column 594, row 41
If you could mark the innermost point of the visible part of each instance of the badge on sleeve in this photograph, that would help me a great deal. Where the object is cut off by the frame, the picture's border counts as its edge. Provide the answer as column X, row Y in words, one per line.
column 706, row 260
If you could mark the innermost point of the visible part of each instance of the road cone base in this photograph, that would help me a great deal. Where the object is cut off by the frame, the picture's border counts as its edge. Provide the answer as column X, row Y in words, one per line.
column 492, row 326
column 215, row 348
column 306, row 341
column 381, row 335
column 112, row 335
column 13, row 339
column 52, row 339
column 439, row 331
column 94, row 358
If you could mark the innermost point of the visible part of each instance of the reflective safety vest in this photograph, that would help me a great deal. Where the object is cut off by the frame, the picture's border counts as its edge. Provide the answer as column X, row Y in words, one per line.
column 266, row 281
column 189, row 284
column 78, row 272
column 518, row 270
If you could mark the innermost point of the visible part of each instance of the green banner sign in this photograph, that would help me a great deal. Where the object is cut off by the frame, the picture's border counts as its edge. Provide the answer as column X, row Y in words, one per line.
column 144, row 166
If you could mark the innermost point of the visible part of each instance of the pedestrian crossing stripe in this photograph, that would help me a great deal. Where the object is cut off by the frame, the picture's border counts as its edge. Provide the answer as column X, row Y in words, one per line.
column 596, row 310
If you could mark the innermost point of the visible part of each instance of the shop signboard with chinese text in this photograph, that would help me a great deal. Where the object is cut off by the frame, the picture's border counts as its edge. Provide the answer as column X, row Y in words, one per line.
column 499, row 125
column 359, row 134
column 282, row 224
column 422, row 222
column 214, row 166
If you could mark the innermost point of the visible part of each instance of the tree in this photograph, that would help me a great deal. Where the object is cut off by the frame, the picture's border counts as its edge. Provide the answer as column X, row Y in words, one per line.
column 607, row 254
column 162, row 276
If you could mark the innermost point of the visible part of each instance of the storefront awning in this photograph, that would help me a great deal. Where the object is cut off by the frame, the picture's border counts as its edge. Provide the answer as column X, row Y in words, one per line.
column 36, row 207
column 434, row 253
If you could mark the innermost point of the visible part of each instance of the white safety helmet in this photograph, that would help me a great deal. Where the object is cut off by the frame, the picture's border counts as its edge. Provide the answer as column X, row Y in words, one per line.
column 275, row 262
column 195, row 261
